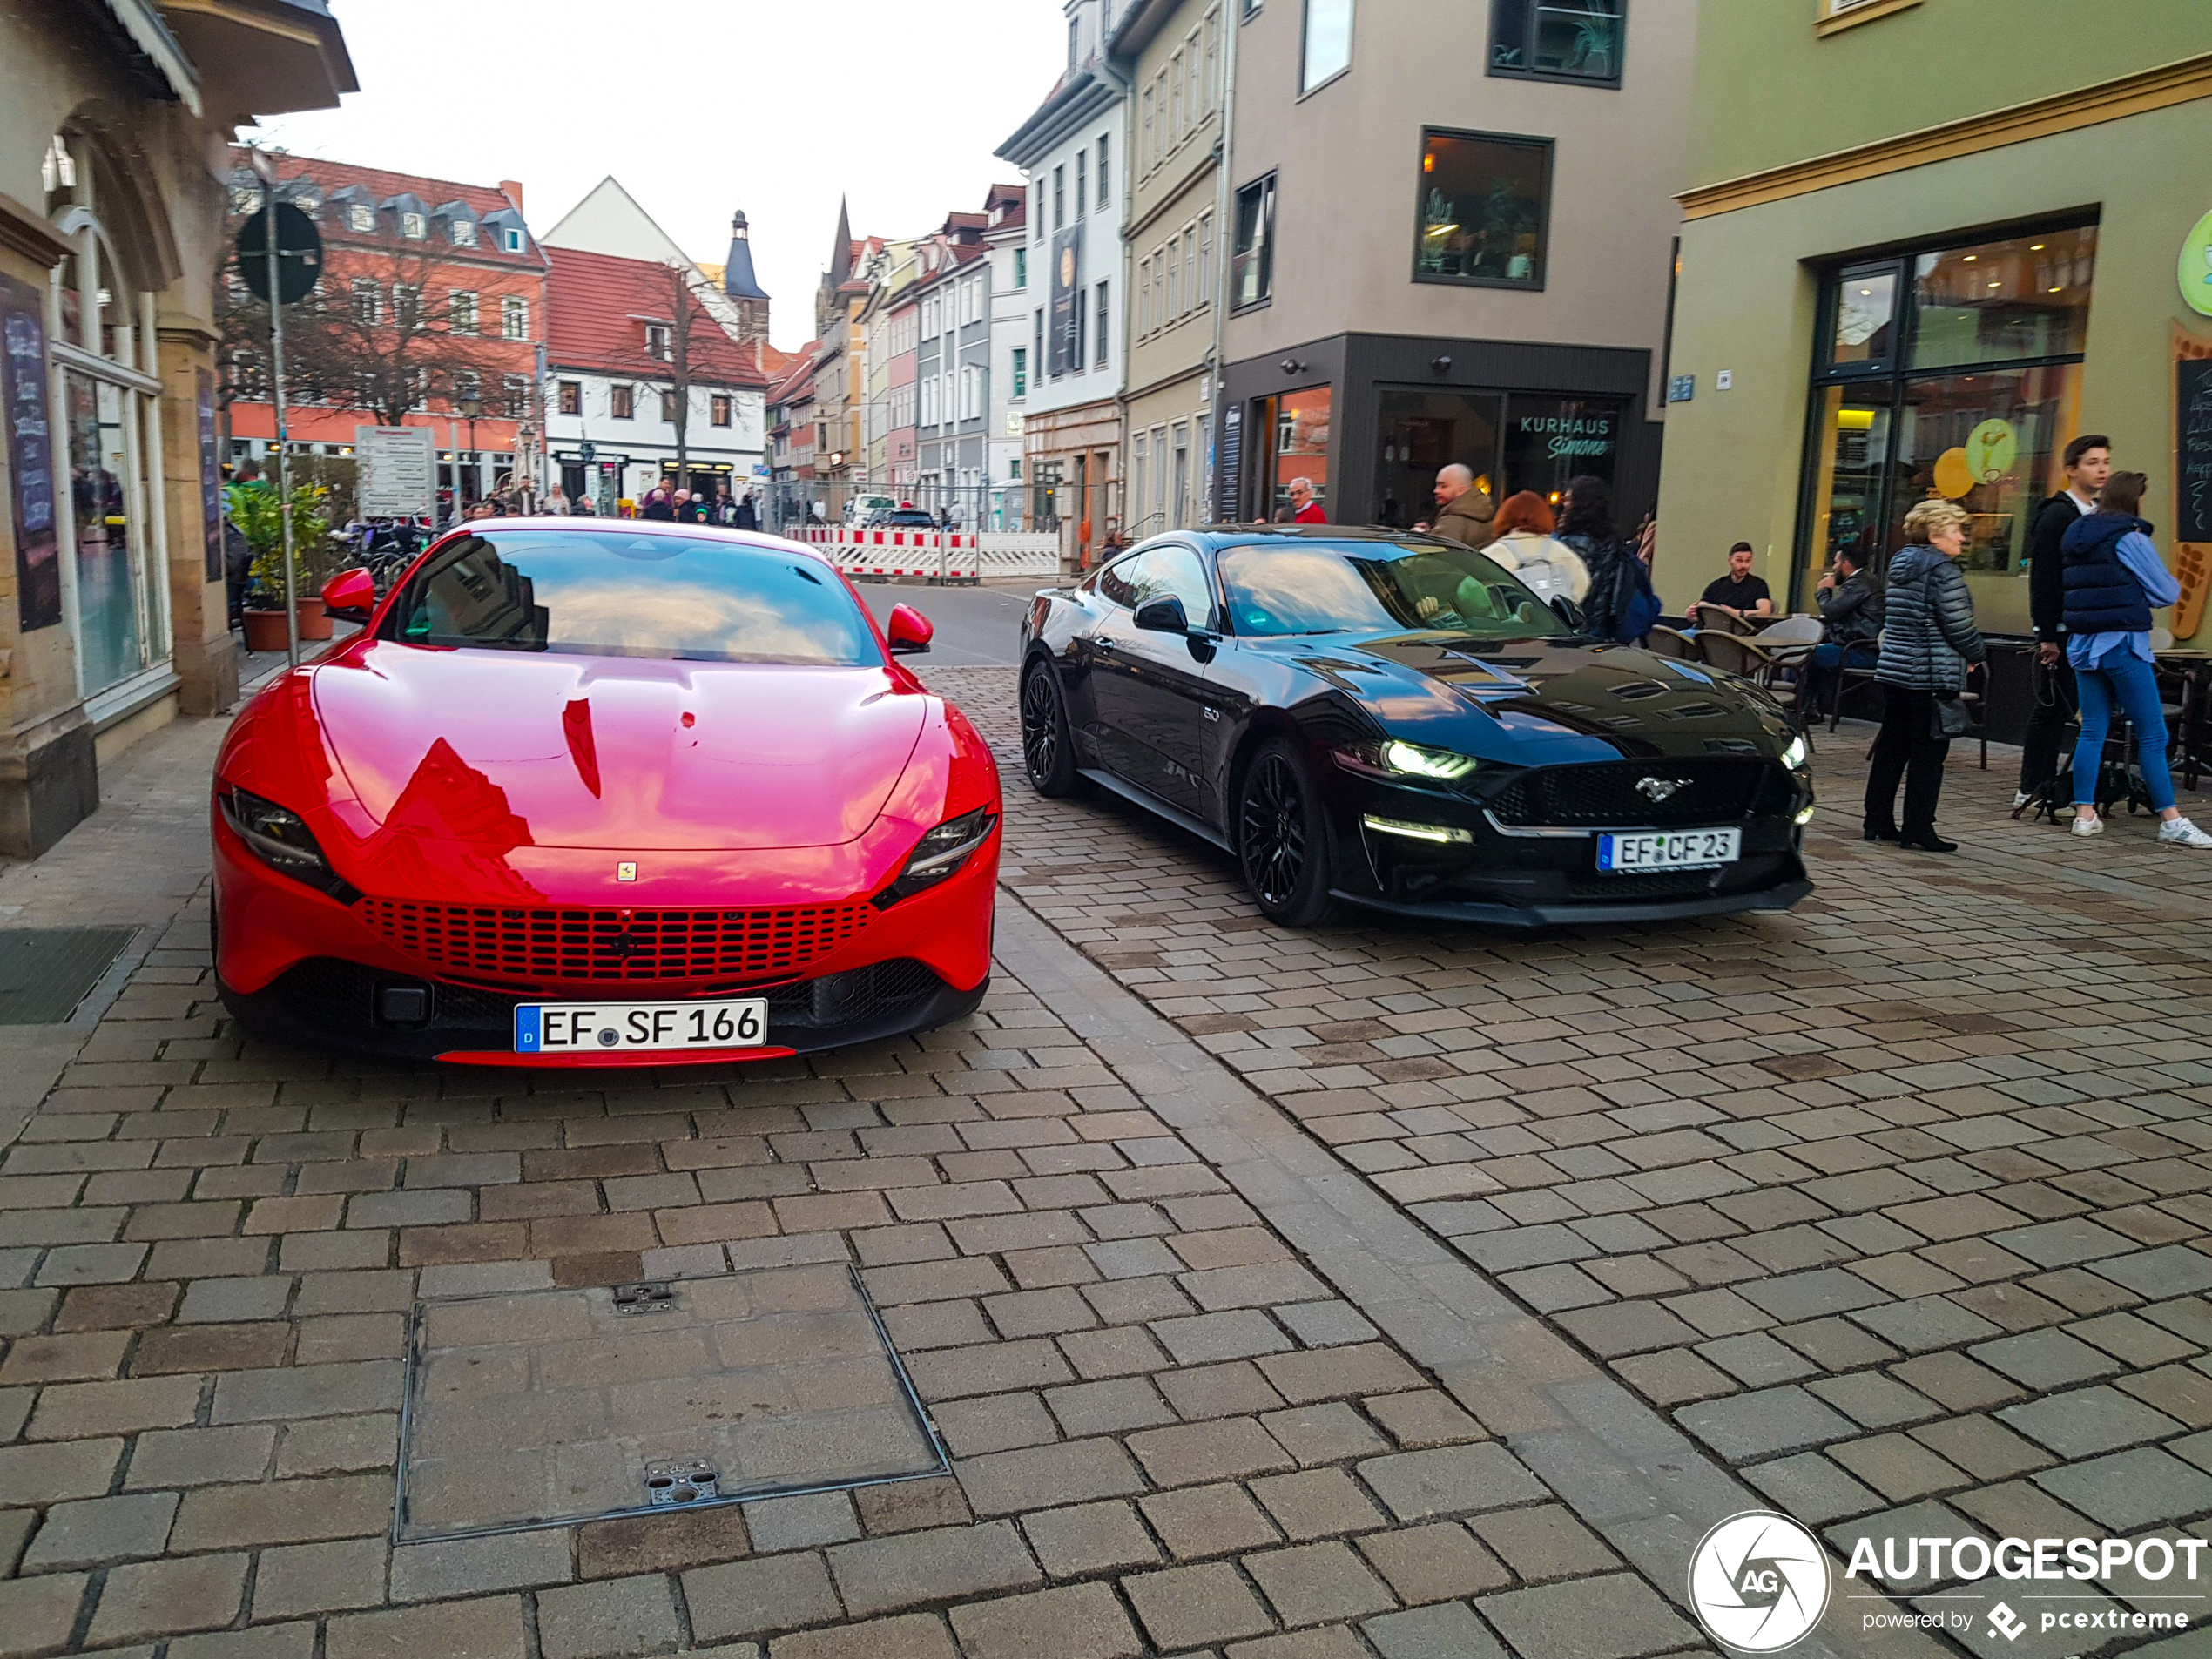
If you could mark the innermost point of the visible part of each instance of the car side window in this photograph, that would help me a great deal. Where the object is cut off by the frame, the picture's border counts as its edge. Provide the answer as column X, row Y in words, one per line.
column 1121, row 582
column 1175, row 570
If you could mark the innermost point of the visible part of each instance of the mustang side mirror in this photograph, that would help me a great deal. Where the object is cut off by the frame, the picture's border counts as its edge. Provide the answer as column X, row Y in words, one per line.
column 1163, row 615
column 909, row 630
column 350, row 595
column 1569, row 612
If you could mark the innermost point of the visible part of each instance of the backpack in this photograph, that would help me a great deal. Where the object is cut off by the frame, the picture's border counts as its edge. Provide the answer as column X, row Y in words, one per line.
column 1637, row 607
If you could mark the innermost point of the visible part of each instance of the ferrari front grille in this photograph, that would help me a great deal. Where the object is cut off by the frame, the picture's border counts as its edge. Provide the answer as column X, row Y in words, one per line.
column 548, row 944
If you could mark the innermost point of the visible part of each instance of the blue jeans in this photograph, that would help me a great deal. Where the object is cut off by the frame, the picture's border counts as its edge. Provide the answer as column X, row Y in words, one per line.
column 2126, row 676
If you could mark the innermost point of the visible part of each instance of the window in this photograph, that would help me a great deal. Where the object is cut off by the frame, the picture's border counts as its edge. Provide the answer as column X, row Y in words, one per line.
column 1105, row 311
column 1059, row 197
column 1251, row 267
column 461, row 233
column 1014, row 469
column 1212, row 82
column 717, row 409
column 513, row 240
column 571, row 395
column 406, row 304
column 1204, row 282
column 657, row 341
column 461, row 311
column 308, row 200
column 1832, row 15
column 368, row 302
column 1036, row 352
column 1105, row 191
column 1144, row 297
column 1562, row 40
column 360, row 217
column 515, row 395
column 1075, row 41
column 1081, row 354
column 1954, row 371
column 1021, row 268
column 1176, row 117
column 1082, row 179
column 1020, row 371
column 515, row 317
column 1326, row 48
column 1174, row 278
column 1152, row 144
column 1036, row 215
column 1484, row 204
column 414, row 226
column 621, row 402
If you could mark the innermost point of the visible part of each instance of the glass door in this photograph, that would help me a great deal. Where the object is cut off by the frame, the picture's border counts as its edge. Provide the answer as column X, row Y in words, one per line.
column 111, row 603
column 1850, row 466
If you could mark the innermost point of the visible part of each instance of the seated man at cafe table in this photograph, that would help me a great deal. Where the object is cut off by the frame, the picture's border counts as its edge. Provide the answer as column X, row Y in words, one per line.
column 1739, row 594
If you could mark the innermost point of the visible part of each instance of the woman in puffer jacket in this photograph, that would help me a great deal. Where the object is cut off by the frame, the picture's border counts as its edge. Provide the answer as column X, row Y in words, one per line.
column 1928, row 641
column 1547, row 566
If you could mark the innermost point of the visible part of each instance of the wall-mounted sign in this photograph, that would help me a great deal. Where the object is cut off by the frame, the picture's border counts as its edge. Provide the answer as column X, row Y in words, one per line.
column 30, row 455
column 2196, row 273
column 1992, row 450
column 210, row 474
column 1064, row 350
column 1681, row 388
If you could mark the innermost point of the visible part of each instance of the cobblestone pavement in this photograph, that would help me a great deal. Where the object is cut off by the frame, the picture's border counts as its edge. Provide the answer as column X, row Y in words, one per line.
column 1393, row 1293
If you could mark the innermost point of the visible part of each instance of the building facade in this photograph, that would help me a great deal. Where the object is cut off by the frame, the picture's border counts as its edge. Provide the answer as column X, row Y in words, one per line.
column 1175, row 55
column 1007, row 239
column 1925, row 246
column 953, row 367
column 617, row 329
column 1434, row 255
column 115, row 124
column 1072, row 151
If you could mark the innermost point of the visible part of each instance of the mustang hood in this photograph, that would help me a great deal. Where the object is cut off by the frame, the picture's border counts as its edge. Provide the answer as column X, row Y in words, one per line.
column 615, row 752
column 1542, row 702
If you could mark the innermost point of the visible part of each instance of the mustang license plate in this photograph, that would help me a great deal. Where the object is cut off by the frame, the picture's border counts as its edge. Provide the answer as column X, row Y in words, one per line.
column 565, row 1027
column 1704, row 849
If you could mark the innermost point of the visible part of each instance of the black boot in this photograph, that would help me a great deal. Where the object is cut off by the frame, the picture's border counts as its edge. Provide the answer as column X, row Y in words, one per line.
column 1928, row 841
column 1880, row 833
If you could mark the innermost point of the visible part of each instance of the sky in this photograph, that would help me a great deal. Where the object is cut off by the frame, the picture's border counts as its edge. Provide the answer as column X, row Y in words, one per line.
column 700, row 107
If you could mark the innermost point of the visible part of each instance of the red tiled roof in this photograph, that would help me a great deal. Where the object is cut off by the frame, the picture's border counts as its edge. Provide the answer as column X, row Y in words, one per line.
column 597, row 308
column 382, row 184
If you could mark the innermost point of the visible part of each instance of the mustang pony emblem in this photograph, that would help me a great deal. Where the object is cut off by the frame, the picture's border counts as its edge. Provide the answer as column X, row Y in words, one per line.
column 1656, row 790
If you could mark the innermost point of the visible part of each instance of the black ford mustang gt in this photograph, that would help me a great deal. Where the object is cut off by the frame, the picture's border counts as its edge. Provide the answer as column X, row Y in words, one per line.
column 1395, row 721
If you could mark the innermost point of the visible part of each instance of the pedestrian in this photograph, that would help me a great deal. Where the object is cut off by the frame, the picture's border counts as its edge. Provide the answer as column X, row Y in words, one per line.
column 748, row 517
column 1464, row 512
column 1851, row 615
column 1928, row 641
column 1620, row 604
column 2114, row 579
column 1547, row 566
column 1303, row 509
column 2088, row 461
column 556, row 502
column 584, row 507
column 657, row 505
column 725, row 510
column 1739, row 594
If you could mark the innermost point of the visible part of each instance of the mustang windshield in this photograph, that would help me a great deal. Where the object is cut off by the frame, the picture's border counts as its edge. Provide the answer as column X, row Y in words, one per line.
column 615, row 593
column 1375, row 587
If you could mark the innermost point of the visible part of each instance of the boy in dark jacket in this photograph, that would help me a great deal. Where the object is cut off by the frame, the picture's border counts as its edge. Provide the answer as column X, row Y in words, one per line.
column 2089, row 464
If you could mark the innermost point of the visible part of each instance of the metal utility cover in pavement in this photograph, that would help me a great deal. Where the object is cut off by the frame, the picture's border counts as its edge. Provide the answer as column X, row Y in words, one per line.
column 550, row 1406
column 45, row 972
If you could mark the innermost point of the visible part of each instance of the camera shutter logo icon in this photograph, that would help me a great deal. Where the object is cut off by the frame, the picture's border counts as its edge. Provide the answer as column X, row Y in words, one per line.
column 1758, row 1582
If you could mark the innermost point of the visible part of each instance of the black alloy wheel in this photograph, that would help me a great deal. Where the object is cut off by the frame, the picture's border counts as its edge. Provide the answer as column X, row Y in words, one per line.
column 1283, row 839
column 1048, row 752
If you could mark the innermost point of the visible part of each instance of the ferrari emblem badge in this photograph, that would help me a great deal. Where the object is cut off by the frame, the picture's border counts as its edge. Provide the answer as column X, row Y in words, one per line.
column 626, row 871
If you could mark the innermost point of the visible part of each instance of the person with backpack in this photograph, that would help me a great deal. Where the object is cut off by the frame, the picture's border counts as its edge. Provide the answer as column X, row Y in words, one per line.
column 2087, row 462
column 1621, row 605
column 2114, row 579
column 1928, row 640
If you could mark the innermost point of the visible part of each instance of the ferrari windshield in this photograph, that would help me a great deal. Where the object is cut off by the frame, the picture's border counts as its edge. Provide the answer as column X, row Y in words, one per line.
column 1375, row 587
column 625, row 593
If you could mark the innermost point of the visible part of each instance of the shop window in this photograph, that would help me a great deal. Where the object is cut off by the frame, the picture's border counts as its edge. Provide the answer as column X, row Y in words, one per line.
column 571, row 394
column 1325, row 46
column 1252, row 276
column 1558, row 40
column 1484, row 201
column 1419, row 433
column 1550, row 440
column 1293, row 430
column 1950, row 372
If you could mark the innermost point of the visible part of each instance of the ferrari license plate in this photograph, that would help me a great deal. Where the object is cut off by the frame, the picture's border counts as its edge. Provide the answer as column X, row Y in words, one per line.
column 566, row 1028
column 1701, row 849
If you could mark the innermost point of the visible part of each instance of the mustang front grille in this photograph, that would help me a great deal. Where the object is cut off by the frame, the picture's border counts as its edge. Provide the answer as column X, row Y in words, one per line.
column 1662, row 793
column 541, row 944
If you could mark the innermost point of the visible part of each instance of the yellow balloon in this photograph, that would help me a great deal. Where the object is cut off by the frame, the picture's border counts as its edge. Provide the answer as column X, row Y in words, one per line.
column 1953, row 477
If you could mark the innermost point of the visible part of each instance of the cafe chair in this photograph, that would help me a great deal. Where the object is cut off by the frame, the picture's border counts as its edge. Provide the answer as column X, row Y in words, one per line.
column 1719, row 622
column 1748, row 659
column 1663, row 641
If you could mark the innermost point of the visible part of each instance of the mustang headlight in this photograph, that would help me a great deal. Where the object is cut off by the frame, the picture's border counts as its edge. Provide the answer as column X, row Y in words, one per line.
column 1426, row 763
column 280, row 839
column 939, row 855
column 1798, row 755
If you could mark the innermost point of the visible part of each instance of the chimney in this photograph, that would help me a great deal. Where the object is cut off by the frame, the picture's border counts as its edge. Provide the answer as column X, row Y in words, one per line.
column 512, row 191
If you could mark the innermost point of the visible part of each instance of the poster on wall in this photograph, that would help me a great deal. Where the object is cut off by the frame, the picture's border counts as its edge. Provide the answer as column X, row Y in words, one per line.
column 211, row 473
column 2192, row 479
column 1066, row 354
column 30, row 455
column 1228, row 463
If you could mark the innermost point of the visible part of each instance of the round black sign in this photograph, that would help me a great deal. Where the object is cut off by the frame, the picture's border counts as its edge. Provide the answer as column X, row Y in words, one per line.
column 299, row 254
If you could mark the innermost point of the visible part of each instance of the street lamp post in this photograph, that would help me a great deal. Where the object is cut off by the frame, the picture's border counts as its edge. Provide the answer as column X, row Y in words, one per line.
column 472, row 410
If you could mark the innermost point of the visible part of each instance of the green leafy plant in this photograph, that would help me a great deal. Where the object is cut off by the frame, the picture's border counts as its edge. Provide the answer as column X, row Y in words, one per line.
column 260, row 514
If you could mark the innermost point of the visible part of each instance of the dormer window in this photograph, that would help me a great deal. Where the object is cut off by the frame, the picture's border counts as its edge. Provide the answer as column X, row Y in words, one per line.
column 463, row 231
column 657, row 341
column 360, row 216
column 415, row 227
column 246, row 196
column 513, row 242
column 308, row 200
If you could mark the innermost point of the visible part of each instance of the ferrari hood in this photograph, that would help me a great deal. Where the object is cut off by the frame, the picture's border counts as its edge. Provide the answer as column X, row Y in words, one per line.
column 1542, row 701
column 615, row 752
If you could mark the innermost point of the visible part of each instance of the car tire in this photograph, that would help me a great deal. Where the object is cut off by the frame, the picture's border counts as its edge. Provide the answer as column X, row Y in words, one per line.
column 1047, row 748
column 1283, row 842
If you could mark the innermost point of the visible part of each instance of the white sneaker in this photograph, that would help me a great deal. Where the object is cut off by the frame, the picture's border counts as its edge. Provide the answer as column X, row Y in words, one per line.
column 2179, row 831
column 2020, row 798
column 2089, row 826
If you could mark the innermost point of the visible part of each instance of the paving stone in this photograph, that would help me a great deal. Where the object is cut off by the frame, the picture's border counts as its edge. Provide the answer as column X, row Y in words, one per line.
column 752, row 1597
column 451, row 1567
column 1325, row 1434
column 611, row 1616
column 322, row 1578
column 78, row 1411
column 1449, row 1631
column 913, row 1636
column 911, row 1505
column 1035, row 1477
column 2175, row 1270
column 293, row 1641
column 66, row 1469
column 1082, row 1622
column 1434, row 1562
column 1761, row 1424
column 2129, row 1490
column 95, row 1531
column 884, row 1574
column 1316, row 1583
column 1810, row 1488
column 658, row 1543
column 334, row 1507
column 2085, row 1421
column 160, row 1598
column 2043, row 1359
column 1984, row 1449
column 489, row 1628
column 1924, row 1323
column 1316, row 1503
column 1598, row 1618
column 1325, row 1642
column 1188, row 1607
column 1454, row 1480
column 803, row 1521
column 1197, row 1521
column 1873, row 1400
column 338, row 1445
column 190, row 1457
column 1230, row 1449
column 37, row 1615
column 1544, row 1543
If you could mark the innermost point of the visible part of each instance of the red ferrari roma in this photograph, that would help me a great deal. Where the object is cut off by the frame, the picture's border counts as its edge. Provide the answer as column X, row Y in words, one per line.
column 585, row 792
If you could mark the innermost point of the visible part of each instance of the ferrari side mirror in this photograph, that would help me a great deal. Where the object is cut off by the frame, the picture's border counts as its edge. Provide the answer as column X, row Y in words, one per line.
column 350, row 595
column 909, row 632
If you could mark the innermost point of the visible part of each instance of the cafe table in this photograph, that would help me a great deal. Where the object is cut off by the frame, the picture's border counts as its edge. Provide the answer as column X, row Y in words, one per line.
column 2193, row 670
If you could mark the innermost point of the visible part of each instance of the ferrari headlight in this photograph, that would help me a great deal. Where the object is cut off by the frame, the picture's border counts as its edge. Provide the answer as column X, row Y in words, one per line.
column 1426, row 763
column 939, row 855
column 280, row 839
column 1798, row 755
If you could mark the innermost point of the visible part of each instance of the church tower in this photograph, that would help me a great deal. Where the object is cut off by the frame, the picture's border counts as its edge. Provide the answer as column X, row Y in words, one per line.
column 742, row 286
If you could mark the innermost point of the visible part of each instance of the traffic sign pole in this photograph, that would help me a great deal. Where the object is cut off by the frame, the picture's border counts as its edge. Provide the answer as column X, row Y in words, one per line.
column 283, row 435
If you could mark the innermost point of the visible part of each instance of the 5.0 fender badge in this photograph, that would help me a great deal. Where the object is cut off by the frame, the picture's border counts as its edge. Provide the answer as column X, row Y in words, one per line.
column 626, row 871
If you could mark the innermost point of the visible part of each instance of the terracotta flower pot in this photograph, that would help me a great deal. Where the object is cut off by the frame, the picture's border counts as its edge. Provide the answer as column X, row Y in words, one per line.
column 265, row 630
column 314, row 621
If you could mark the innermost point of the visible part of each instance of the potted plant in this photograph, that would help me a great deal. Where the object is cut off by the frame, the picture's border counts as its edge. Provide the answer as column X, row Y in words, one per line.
column 259, row 514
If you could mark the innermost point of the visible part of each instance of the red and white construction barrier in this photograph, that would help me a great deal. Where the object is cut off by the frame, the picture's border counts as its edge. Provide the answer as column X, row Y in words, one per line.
column 940, row 554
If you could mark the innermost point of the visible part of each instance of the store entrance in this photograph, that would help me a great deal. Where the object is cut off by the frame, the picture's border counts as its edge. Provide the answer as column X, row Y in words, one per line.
column 1421, row 431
